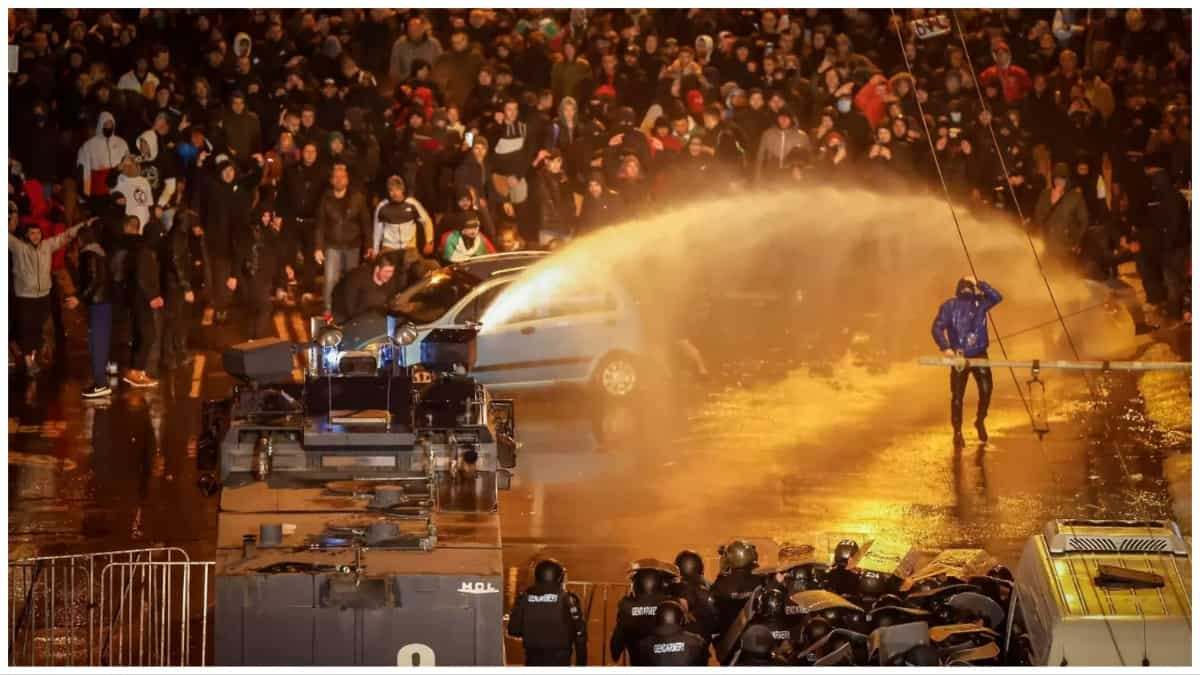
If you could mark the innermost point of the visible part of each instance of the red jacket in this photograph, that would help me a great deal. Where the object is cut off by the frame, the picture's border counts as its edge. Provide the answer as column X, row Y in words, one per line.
column 1014, row 81
column 870, row 102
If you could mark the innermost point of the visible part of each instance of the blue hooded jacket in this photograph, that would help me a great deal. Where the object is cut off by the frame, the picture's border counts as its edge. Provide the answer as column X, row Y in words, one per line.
column 961, row 322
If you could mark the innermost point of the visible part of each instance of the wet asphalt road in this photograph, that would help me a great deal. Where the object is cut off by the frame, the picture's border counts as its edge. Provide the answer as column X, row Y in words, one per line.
column 764, row 450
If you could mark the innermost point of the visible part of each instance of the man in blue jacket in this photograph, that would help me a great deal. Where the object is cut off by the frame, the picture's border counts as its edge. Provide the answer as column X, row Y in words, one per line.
column 960, row 329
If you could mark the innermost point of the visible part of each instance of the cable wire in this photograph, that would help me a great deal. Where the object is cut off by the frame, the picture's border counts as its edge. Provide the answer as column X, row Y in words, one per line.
column 957, row 225
column 1013, row 192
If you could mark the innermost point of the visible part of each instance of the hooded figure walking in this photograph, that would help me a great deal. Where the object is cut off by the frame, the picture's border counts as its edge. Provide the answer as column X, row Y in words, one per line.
column 960, row 329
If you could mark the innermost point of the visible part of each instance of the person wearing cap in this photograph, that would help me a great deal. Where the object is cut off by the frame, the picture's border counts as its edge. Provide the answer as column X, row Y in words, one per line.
column 1013, row 80
column 466, row 242
column 243, row 132
column 1061, row 215
column 331, row 110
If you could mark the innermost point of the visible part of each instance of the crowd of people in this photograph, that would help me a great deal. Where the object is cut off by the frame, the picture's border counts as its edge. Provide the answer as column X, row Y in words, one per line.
column 237, row 159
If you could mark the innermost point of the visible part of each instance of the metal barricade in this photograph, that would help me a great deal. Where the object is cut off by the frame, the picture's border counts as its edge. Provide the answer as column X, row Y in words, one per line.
column 600, row 601
column 154, row 613
column 64, row 609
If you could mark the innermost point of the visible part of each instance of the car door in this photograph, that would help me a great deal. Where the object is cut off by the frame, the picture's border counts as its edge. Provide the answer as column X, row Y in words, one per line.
column 553, row 339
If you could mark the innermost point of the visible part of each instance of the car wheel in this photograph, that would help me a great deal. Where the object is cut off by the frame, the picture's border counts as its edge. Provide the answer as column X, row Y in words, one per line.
column 617, row 376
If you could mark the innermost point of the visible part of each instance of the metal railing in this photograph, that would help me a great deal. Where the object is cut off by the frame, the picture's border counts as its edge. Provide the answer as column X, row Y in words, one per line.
column 140, row 607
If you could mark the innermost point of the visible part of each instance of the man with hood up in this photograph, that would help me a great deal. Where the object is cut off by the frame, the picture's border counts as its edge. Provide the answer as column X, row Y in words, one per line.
column 100, row 154
column 777, row 144
column 961, row 329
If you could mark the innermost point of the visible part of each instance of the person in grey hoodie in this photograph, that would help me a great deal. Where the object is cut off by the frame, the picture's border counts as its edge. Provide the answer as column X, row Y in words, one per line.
column 31, row 259
column 775, row 145
column 415, row 44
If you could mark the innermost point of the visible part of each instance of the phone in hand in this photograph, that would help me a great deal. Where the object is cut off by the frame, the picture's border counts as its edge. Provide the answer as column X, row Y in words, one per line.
column 469, row 138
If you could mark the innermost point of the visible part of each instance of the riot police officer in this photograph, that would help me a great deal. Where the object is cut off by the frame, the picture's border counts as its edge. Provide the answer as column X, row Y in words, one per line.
column 772, row 613
column 736, row 582
column 669, row 644
column 636, row 612
column 843, row 579
column 693, row 590
column 549, row 619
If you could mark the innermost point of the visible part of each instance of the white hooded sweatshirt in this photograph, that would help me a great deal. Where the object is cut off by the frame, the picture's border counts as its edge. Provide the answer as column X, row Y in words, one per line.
column 147, row 144
column 98, row 155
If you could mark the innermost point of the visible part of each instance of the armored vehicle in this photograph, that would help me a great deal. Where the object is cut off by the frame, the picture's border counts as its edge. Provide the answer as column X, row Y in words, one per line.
column 358, row 521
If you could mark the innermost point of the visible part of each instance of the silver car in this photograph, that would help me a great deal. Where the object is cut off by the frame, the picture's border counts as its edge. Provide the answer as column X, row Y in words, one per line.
column 592, row 336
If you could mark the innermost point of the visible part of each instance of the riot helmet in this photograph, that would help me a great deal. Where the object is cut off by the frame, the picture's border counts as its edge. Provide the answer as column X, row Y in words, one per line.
column 670, row 613
column 690, row 564
column 758, row 641
column 844, row 551
column 646, row 582
column 774, row 603
column 549, row 571
column 815, row 628
column 739, row 554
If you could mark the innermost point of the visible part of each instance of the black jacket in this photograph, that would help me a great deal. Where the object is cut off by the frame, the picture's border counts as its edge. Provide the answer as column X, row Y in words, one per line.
column 262, row 254
column 226, row 208
column 548, row 617
column 95, row 278
column 635, row 622
column 672, row 646
column 357, row 293
column 177, row 253
column 556, row 205
column 730, row 591
column 345, row 222
column 147, row 272
column 301, row 189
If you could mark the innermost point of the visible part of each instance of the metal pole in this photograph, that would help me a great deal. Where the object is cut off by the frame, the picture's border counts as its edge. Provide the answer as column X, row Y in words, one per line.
column 1060, row 365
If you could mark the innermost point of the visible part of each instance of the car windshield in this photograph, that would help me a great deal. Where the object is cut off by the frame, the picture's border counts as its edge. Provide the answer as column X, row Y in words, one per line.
column 429, row 299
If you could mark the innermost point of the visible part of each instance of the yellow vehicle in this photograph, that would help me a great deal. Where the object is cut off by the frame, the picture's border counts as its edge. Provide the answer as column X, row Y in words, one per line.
column 1105, row 593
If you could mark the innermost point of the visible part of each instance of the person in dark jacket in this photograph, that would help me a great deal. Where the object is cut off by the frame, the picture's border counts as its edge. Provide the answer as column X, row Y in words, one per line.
column 1061, row 215
column 299, row 195
column 227, row 203
column 243, row 131
column 262, row 257
column 343, row 230
column 600, row 206
column 146, row 300
column 549, row 619
column 475, row 175
column 365, row 288
column 555, row 200
column 95, row 290
column 178, row 264
column 635, row 615
column 960, row 330
column 669, row 643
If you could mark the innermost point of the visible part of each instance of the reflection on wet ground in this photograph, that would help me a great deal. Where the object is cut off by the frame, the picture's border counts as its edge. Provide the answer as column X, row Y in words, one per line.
column 761, row 450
